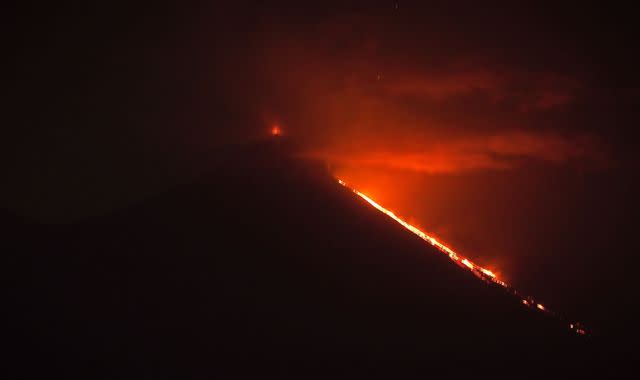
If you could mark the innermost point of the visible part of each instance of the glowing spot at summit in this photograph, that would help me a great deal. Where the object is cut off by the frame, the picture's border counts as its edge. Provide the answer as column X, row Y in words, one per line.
column 276, row 131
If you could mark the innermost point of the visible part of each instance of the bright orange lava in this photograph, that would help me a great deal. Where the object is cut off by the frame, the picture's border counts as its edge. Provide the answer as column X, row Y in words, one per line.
column 276, row 131
column 482, row 273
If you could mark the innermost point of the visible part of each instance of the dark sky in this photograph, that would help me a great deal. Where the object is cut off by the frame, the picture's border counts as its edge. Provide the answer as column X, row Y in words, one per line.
column 491, row 125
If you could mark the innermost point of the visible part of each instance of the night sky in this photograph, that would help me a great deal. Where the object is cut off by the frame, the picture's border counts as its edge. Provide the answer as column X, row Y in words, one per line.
column 509, row 130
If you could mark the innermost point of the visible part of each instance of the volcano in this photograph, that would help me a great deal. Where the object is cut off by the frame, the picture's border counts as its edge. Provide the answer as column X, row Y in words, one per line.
column 265, row 265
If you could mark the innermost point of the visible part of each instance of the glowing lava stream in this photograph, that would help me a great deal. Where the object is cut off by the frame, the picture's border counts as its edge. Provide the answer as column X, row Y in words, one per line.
column 482, row 273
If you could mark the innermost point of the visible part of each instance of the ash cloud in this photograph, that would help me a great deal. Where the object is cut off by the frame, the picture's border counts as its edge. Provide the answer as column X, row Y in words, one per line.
column 493, row 152
column 367, row 97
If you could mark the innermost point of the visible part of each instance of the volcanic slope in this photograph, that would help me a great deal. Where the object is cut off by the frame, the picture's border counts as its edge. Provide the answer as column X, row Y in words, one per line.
column 266, row 265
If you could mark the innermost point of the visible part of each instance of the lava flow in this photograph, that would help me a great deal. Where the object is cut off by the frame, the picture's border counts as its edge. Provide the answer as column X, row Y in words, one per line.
column 480, row 272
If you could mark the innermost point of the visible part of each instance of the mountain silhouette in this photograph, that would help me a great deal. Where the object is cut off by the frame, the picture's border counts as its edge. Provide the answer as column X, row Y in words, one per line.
column 263, row 266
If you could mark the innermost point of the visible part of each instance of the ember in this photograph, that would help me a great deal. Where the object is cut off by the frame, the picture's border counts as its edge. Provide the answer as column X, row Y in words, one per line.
column 276, row 131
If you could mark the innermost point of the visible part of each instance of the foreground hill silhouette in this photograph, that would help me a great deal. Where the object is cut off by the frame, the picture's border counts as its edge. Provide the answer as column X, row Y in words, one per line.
column 264, row 265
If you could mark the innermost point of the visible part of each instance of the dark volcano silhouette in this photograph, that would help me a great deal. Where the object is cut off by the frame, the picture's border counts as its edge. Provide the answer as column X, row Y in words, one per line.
column 264, row 266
